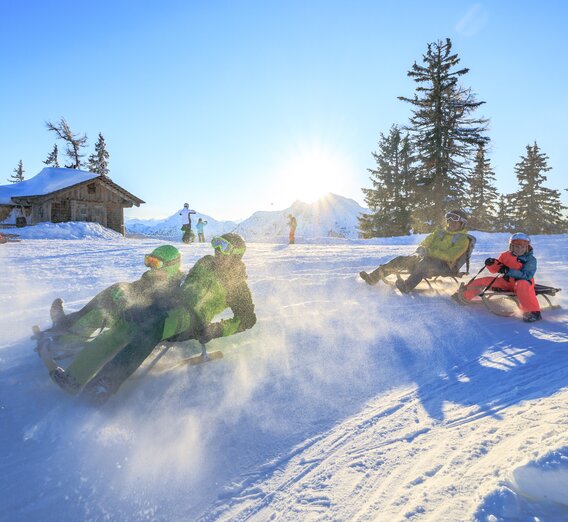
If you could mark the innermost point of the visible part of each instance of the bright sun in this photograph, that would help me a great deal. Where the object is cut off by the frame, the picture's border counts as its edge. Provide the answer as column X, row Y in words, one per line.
column 310, row 172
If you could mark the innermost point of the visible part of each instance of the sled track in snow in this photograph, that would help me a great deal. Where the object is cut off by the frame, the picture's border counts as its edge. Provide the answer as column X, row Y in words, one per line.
column 386, row 451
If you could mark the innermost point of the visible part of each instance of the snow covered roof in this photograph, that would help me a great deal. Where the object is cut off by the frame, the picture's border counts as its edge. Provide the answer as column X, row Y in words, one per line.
column 47, row 181
column 51, row 180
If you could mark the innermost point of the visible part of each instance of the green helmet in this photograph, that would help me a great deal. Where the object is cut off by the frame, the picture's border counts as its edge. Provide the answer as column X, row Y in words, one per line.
column 229, row 244
column 165, row 257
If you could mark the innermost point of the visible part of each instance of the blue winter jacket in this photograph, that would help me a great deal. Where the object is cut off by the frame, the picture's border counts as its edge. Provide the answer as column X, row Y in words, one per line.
column 529, row 267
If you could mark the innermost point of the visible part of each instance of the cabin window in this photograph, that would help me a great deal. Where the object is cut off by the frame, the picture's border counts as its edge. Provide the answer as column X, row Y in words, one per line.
column 91, row 189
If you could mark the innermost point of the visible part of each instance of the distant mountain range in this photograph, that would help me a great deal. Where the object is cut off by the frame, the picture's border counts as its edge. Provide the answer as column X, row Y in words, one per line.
column 330, row 216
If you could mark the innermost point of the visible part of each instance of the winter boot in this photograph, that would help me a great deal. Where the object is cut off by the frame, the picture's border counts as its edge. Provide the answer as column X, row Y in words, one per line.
column 458, row 297
column 401, row 285
column 373, row 278
column 56, row 312
column 65, row 381
column 531, row 317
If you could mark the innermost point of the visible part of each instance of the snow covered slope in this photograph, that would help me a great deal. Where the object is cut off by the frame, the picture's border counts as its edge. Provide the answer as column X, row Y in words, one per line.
column 344, row 402
column 330, row 216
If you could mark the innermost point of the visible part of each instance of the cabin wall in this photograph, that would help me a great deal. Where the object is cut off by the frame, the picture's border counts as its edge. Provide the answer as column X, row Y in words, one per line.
column 93, row 202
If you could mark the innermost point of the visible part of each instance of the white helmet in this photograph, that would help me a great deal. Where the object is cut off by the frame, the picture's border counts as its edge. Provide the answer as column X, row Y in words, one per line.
column 520, row 236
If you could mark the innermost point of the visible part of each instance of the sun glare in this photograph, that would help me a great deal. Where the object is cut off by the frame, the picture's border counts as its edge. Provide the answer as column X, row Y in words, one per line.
column 310, row 173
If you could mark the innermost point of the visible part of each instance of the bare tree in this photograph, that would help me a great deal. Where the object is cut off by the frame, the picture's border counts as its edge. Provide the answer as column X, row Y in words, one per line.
column 74, row 142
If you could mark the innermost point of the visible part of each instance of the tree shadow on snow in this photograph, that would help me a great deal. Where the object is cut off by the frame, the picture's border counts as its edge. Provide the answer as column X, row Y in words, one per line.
column 477, row 359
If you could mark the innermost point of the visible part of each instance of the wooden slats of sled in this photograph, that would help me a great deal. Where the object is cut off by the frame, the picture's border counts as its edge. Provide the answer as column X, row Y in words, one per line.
column 506, row 304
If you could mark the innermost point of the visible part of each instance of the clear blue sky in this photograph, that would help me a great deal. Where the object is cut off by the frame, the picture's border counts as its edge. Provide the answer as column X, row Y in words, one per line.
column 237, row 106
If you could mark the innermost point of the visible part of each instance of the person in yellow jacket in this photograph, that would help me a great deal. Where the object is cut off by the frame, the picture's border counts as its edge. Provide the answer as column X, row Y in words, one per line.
column 438, row 254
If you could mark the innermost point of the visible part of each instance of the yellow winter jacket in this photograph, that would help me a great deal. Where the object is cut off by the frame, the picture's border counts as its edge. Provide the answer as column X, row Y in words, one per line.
column 445, row 245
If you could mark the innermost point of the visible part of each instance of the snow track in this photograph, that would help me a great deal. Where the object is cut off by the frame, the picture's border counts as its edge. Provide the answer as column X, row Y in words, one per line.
column 395, row 460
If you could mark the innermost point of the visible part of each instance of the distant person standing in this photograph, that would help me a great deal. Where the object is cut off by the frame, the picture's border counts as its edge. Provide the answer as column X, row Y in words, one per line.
column 199, row 227
column 292, row 223
column 185, row 214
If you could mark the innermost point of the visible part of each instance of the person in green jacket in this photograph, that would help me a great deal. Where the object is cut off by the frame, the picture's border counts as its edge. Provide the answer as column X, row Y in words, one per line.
column 145, row 314
column 438, row 255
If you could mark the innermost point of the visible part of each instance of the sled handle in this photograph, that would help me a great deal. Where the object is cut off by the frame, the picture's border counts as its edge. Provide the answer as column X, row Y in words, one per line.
column 489, row 285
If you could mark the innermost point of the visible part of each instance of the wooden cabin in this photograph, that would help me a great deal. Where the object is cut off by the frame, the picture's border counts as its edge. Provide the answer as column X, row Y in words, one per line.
column 61, row 195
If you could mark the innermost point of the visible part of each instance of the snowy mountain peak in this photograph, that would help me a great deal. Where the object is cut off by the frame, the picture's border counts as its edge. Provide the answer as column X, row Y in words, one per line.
column 330, row 216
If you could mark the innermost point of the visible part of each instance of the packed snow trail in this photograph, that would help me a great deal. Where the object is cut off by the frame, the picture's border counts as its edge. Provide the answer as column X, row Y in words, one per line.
column 344, row 402
column 395, row 459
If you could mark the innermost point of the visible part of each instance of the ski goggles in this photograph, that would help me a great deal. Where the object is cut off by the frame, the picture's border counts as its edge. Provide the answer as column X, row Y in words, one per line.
column 156, row 263
column 153, row 262
column 225, row 247
column 450, row 216
column 519, row 243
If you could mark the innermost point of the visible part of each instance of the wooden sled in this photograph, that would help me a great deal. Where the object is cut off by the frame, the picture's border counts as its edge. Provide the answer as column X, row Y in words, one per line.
column 434, row 283
column 506, row 304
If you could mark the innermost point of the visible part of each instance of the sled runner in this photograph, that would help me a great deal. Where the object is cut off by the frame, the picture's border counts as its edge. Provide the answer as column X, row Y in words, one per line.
column 506, row 304
column 51, row 354
column 155, row 367
column 435, row 283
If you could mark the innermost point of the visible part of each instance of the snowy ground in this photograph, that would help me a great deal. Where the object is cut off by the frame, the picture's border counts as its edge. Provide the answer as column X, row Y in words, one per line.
column 345, row 402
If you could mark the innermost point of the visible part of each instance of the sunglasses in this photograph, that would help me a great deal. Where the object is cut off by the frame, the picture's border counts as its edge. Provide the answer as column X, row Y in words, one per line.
column 225, row 247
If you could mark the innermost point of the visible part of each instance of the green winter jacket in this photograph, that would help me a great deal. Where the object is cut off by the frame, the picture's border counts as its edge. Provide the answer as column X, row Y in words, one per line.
column 211, row 287
column 445, row 245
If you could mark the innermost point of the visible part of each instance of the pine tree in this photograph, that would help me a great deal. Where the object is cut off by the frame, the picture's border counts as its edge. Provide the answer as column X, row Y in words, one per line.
column 74, row 142
column 535, row 208
column 52, row 159
column 503, row 220
column 483, row 194
column 98, row 162
column 18, row 173
column 444, row 134
column 389, row 199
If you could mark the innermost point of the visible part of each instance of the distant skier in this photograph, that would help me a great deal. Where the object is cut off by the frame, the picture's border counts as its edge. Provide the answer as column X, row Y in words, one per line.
column 185, row 213
column 200, row 225
column 518, row 266
column 292, row 223
column 438, row 255
column 134, row 317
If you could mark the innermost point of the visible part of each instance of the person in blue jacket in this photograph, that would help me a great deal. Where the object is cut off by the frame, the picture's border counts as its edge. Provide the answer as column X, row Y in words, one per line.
column 199, row 226
column 518, row 266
